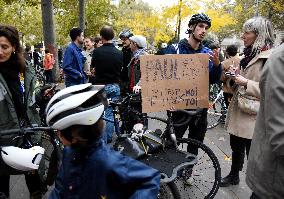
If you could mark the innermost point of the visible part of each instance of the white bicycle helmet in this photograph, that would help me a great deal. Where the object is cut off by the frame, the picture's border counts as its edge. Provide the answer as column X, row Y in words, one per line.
column 22, row 159
column 81, row 104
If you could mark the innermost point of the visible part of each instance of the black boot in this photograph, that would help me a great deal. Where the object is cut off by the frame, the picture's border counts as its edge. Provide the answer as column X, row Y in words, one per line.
column 231, row 179
column 237, row 164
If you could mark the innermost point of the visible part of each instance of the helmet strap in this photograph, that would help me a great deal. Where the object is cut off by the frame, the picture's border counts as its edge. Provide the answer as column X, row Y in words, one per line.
column 193, row 36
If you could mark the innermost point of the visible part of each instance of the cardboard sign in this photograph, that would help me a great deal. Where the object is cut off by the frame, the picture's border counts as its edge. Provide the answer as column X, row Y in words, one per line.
column 179, row 81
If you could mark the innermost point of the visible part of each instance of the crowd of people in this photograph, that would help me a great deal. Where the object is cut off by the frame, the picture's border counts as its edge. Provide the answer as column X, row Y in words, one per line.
column 95, row 70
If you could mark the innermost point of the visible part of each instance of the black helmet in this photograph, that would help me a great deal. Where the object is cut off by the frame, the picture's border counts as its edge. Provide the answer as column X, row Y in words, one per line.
column 125, row 34
column 199, row 18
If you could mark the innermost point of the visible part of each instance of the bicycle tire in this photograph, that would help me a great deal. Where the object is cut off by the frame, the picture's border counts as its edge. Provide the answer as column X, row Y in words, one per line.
column 198, row 189
column 52, row 157
column 215, row 113
column 169, row 191
column 40, row 78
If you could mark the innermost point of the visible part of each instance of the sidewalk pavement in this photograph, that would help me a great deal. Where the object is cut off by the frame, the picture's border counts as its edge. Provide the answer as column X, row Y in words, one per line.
column 217, row 139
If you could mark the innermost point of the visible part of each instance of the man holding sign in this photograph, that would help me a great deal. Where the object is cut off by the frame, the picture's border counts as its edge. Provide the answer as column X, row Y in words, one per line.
column 197, row 28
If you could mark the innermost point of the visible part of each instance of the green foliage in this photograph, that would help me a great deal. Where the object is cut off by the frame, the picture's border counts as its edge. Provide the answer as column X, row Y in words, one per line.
column 26, row 16
column 243, row 10
column 98, row 13
column 157, row 26
column 140, row 18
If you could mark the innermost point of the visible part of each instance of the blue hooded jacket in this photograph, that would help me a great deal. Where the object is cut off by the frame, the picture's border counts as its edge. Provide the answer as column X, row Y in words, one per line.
column 104, row 173
column 183, row 47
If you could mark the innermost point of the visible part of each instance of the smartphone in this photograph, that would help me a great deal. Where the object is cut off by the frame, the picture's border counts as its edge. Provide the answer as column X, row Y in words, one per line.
column 229, row 74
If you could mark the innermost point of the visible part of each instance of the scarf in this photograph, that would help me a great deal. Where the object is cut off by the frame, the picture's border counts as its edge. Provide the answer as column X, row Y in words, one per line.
column 10, row 73
column 137, row 53
column 133, row 61
column 249, row 55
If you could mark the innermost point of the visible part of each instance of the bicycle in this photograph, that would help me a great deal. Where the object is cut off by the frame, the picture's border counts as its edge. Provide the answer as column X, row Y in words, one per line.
column 50, row 161
column 157, row 149
column 217, row 108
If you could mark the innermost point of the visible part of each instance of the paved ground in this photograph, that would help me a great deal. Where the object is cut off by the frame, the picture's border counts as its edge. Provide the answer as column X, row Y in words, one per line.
column 217, row 139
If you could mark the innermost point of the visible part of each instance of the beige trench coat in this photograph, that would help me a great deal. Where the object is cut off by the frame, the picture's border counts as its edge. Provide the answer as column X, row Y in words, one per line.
column 239, row 123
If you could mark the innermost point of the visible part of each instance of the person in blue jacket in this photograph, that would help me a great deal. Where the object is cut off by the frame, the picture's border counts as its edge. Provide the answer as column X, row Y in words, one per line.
column 90, row 168
column 73, row 60
column 198, row 26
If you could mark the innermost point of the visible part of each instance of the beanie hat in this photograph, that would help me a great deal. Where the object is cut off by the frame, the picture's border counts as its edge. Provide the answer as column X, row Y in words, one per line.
column 139, row 40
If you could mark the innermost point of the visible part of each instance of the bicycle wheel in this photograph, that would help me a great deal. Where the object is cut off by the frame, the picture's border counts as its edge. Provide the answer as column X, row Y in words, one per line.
column 52, row 157
column 40, row 78
column 215, row 113
column 169, row 191
column 203, row 179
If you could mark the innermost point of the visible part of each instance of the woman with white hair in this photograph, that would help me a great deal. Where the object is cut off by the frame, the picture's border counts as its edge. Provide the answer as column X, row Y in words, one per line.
column 258, row 39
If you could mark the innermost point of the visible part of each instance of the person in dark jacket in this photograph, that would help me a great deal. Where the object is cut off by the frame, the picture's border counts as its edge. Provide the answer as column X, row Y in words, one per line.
column 127, row 53
column 198, row 26
column 90, row 168
column 107, row 61
column 17, row 105
column 73, row 60
column 265, row 168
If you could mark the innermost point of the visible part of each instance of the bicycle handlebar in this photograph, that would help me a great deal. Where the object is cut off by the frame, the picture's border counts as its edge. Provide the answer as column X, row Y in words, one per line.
column 24, row 130
column 124, row 100
column 186, row 119
column 187, row 113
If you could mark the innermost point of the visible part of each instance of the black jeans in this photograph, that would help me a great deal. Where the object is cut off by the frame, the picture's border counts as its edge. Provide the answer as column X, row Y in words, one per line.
column 240, row 147
column 197, row 128
column 48, row 76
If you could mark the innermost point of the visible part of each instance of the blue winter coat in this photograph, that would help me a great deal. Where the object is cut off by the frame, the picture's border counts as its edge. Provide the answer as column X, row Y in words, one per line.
column 104, row 173
column 183, row 47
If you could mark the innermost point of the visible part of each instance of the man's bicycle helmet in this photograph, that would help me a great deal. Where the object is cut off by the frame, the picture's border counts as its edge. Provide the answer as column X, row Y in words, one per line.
column 199, row 18
column 22, row 159
column 81, row 104
column 125, row 34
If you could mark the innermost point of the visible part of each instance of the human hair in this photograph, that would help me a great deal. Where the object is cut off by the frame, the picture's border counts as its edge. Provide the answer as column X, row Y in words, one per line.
column 232, row 50
column 263, row 29
column 107, row 32
column 90, row 38
column 84, row 134
column 27, row 48
column 46, row 51
column 12, row 35
column 213, row 46
column 74, row 33
column 97, row 39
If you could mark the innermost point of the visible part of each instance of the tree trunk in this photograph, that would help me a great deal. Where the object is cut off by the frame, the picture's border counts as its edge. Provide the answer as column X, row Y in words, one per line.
column 179, row 19
column 49, row 33
column 82, row 14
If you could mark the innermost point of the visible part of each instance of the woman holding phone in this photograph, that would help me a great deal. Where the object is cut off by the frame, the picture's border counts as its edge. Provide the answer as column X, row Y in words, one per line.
column 258, row 39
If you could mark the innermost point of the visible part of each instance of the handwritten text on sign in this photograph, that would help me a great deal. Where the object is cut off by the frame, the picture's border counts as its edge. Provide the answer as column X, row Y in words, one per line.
column 179, row 81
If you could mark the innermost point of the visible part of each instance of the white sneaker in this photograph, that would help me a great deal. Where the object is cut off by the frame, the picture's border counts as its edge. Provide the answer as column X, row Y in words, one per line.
column 189, row 181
